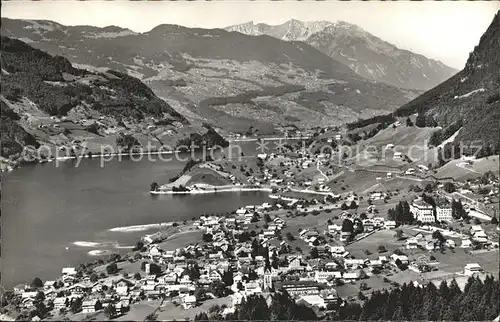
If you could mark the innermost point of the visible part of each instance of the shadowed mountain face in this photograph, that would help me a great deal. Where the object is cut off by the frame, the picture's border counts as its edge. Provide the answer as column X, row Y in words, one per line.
column 56, row 87
column 367, row 55
column 38, row 88
column 471, row 97
column 227, row 78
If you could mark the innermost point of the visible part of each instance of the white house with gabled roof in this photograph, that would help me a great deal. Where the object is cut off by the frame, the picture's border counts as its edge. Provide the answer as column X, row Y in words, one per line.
column 472, row 268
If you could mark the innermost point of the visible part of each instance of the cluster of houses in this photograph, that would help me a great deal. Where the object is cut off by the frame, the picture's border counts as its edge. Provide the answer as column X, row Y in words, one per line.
column 424, row 212
column 168, row 273
column 367, row 225
column 478, row 235
column 377, row 195
column 304, row 160
column 74, row 287
column 475, row 237
column 428, row 242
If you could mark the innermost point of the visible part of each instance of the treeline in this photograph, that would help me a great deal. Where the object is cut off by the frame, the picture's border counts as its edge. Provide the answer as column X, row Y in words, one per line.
column 385, row 120
column 187, row 167
column 256, row 308
column 425, row 120
column 355, row 137
column 479, row 112
column 29, row 71
column 477, row 302
column 246, row 98
column 209, row 139
column 481, row 128
column 17, row 56
column 432, row 97
column 401, row 214
column 127, row 142
column 382, row 121
column 180, row 188
column 52, row 99
column 458, row 211
column 439, row 136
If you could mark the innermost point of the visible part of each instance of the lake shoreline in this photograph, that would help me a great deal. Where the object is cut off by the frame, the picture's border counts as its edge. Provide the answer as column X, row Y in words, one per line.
column 104, row 198
column 215, row 190
column 11, row 165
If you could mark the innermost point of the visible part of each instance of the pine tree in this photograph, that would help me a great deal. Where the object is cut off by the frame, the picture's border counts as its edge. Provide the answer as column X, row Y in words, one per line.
column 494, row 308
column 420, row 121
column 398, row 314
column 452, row 311
column 430, row 300
column 267, row 265
column 444, row 291
column 454, row 289
column 314, row 253
column 281, row 307
column 255, row 247
column 253, row 308
column 470, row 300
column 227, row 278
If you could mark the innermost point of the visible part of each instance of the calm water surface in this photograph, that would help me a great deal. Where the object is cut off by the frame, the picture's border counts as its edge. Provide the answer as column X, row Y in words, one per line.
column 54, row 216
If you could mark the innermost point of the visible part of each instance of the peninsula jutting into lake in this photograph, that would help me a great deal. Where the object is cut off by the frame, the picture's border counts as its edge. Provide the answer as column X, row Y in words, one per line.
column 323, row 164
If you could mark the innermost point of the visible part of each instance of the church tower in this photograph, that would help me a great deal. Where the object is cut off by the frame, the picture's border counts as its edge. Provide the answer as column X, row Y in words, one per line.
column 268, row 279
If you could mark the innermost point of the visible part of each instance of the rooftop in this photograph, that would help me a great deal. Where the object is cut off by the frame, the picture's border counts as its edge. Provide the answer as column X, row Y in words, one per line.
column 421, row 203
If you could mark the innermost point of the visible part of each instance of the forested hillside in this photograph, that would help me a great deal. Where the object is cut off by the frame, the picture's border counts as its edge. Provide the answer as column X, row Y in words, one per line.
column 56, row 86
column 472, row 97
column 468, row 101
column 13, row 137
column 38, row 89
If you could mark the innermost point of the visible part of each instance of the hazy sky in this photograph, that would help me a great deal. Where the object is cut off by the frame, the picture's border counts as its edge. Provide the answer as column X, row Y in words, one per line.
column 445, row 30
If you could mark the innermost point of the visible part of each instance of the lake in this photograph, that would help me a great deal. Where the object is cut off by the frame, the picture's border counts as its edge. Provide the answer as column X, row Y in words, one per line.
column 54, row 216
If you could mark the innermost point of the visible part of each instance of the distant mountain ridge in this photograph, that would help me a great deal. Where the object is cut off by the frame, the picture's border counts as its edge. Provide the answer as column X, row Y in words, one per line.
column 367, row 55
column 227, row 79
column 39, row 30
column 292, row 30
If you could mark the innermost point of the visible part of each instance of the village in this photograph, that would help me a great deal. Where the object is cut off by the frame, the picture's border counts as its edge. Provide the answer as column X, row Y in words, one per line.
column 323, row 240
column 334, row 230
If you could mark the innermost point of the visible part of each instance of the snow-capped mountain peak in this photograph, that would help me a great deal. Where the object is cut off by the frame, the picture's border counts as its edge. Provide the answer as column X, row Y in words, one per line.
column 291, row 30
column 366, row 54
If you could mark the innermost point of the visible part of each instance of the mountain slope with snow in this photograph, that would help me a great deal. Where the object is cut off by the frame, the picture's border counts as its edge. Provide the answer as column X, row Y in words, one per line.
column 224, row 78
column 367, row 55
column 292, row 30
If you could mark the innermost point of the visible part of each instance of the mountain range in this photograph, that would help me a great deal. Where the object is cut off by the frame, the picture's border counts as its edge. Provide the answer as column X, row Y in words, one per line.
column 228, row 79
column 366, row 54
column 225, row 79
